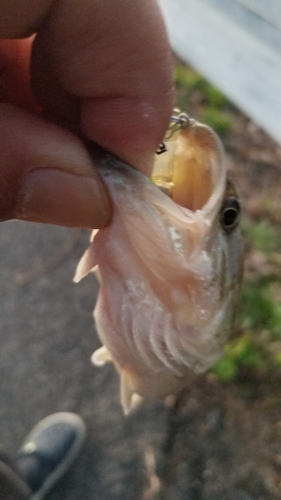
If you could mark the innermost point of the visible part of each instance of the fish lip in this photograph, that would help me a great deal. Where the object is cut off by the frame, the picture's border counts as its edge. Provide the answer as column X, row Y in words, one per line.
column 212, row 206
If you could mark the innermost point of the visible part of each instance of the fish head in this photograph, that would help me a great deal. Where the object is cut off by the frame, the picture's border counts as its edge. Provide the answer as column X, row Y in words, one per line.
column 170, row 263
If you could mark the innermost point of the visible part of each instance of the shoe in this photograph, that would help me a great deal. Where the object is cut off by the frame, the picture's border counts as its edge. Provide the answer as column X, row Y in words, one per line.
column 12, row 485
column 48, row 451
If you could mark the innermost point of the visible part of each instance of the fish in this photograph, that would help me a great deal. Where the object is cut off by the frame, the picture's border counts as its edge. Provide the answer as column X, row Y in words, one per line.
column 169, row 263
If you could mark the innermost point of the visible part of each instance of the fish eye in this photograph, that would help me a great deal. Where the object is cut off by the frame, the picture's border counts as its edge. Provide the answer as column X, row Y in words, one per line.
column 230, row 214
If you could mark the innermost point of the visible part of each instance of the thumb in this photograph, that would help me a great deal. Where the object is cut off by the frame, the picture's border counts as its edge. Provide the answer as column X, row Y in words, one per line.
column 47, row 175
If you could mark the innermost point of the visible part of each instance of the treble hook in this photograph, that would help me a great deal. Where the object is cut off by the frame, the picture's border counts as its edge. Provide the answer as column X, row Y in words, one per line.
column 178, row 121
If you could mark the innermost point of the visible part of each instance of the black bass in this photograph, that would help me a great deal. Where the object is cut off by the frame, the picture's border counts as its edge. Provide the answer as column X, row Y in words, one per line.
column 170, row 265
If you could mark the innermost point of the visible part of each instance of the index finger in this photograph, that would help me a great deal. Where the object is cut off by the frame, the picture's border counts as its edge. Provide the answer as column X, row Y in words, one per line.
column 114, row 60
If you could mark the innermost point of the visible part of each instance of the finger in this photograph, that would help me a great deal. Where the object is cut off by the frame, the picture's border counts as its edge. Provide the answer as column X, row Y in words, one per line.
column 114, row 57
column 14, row 73
column 21, row 18
column 47, row 175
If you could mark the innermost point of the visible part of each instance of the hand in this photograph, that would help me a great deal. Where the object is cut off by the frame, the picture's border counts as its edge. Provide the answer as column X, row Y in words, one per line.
column 97, row 70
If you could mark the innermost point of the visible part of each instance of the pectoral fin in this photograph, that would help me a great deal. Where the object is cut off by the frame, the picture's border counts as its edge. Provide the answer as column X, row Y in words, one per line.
column 101, row 356
column 129, row 399
column 86, row 264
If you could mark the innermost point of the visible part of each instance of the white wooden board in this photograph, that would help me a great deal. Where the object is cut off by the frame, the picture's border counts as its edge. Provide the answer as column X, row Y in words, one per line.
column 236, row 44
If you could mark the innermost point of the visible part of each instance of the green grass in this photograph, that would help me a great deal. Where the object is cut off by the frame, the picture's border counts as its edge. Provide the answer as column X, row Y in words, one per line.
column 189, row 80
column 258, row 348
column 259, row 311
column 217, row 120
column 262, row 235
column 240, row 353
column 214, row 103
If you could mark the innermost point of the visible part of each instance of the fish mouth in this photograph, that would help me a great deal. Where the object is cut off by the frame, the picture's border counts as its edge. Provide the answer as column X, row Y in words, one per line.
column 192, row 169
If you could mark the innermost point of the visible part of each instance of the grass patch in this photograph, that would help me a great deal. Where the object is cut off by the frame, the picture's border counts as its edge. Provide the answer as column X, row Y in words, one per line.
column 240, row 353
column 258, row 348
column 189, row 80
column 217, row 120
column 212, row 102
column 260, row 312
column 262, row 235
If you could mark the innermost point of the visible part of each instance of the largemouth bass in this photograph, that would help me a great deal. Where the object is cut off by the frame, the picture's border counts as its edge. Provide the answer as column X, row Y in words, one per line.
column 170, row 265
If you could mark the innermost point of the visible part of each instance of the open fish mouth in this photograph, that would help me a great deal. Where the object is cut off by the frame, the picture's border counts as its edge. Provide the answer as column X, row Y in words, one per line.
column 169, row 262
column 192, row 171
column 188, row 171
